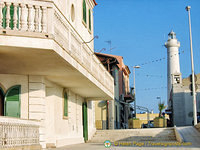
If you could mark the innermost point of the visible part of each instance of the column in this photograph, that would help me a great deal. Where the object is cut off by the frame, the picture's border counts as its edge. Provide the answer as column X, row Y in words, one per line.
column 8, row 15
column 37, row 103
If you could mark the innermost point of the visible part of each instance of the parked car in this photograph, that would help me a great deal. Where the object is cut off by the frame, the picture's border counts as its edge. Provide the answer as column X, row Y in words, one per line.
column 151, row 125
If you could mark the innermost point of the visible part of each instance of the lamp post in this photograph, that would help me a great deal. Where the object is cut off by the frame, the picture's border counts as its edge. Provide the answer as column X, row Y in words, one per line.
column 159, row 98
column 134, row 67
column 192, row 66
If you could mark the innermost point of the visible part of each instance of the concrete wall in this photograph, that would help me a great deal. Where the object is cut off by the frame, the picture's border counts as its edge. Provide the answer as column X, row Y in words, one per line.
column 100, row 114
column 43, row 100
column 183, row 105
column 9, row 80
column 114, row 107
column 62, row 130
column 81, row 28
column 91, row 119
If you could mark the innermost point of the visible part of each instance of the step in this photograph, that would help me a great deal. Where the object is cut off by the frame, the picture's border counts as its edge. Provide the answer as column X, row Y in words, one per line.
column 153, row 134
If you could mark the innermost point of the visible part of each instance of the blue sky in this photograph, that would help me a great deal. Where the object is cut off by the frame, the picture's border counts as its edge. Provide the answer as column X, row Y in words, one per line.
column 138, row 30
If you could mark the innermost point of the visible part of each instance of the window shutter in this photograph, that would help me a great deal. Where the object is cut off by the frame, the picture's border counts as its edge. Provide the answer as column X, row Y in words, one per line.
column 12, row 100
column 65, row 105
column 84, row 12
column 89, row 19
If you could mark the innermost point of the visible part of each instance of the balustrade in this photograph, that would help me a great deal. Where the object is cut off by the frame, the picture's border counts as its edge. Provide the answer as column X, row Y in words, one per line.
column 32, row 16
column 23, row 16
column 17, row 132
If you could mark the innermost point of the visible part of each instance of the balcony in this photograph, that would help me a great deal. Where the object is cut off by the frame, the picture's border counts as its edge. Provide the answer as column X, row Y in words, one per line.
column 17, row 133
column 37, row 39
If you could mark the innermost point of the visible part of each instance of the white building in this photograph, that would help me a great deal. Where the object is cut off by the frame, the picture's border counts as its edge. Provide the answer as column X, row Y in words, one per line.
column 48, row 71
column 173, row 64
column 180, row 103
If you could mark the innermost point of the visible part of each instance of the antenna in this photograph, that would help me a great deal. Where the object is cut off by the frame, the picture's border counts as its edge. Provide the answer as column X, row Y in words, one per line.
column 110, row 44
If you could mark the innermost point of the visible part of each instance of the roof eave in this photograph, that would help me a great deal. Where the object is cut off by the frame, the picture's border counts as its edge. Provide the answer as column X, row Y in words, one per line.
column 95, row 2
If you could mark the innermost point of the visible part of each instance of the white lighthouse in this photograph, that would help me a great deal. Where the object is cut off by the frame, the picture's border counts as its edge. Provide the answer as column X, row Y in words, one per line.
column 173, row 65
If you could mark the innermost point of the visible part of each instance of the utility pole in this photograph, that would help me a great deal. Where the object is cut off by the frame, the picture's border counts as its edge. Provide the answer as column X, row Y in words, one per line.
column 134, row 88
column 192, row 66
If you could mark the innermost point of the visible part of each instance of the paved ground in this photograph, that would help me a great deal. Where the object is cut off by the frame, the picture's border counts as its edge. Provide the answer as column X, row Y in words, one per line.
column 190, row 135
column 93, row 146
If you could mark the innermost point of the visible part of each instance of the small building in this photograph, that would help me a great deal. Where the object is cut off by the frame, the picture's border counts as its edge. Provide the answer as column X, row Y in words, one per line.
column 115, row 114
column 179, row 97
column 144, row 117
column 182, row 102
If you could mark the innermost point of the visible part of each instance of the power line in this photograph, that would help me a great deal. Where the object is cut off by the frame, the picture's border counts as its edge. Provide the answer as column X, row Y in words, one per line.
column 157, row 60
column 150, row 75
column 149, row 89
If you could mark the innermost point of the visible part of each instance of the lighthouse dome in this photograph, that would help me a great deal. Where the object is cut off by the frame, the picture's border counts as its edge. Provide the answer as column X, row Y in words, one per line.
column 172, row 35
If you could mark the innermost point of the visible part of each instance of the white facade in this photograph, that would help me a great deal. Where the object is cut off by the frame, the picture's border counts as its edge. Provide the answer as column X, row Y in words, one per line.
column 173, row 64
column 182, row 110
column 47, row 54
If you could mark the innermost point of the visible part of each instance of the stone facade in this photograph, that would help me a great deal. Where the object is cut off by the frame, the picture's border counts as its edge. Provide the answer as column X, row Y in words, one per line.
column 182, row 102
column 47, row 52
column 115, row 114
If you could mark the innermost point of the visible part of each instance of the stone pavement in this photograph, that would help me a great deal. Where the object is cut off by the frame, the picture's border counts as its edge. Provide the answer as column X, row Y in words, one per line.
column 190, row 134
column 97, row 146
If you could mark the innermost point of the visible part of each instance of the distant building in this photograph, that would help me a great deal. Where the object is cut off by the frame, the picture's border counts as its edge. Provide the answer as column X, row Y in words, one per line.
column 144, row 117
column 115, row 114
column 182, row 102
column 107, row 112
column 179, row 98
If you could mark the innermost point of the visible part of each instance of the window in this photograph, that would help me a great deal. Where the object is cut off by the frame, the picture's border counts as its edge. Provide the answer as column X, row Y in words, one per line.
column 84, row 12
column 12, row 102
column 72, row 13
column 65, row 105
column 89, row 20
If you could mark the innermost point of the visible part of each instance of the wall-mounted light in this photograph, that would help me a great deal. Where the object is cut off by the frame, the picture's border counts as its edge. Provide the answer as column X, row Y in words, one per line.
column 95, row 37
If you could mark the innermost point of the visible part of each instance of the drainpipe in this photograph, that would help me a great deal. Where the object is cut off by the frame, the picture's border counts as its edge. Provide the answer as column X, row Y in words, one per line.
column 108, row 117
column 108, row 121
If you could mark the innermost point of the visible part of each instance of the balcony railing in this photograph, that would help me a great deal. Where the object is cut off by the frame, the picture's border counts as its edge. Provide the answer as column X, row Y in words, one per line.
column 44, row 19
column 17, row 132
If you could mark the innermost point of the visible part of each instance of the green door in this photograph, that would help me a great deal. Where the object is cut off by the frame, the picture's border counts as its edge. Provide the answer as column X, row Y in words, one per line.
column 1, row 102
column 85, row 124
column 12, row 102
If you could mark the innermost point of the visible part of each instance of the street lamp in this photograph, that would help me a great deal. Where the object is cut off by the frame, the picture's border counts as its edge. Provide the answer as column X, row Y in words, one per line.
column 192, row 66
column 159, row 98
column 134, row 67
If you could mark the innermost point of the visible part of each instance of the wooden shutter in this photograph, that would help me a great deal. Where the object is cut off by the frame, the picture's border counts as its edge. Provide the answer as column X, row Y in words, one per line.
column 65, row 105
column 89, row 19
column 84, row 12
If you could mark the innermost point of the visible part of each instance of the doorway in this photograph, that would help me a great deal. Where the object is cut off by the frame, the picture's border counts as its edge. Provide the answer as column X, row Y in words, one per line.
column 85, row 121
